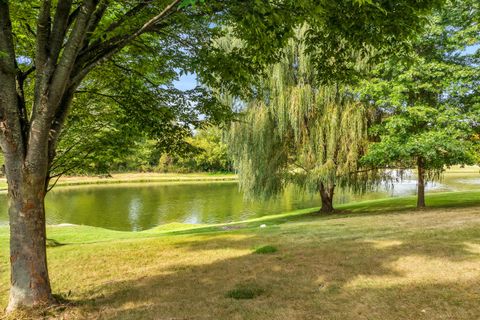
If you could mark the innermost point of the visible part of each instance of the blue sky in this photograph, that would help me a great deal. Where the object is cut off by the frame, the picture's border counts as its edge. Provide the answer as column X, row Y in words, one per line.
column 472, row 49
column 186, row 82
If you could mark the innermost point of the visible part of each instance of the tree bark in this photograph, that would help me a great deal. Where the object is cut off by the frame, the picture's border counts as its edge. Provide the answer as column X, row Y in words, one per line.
column 30, row 285
column 420, row 184
column 327, row 198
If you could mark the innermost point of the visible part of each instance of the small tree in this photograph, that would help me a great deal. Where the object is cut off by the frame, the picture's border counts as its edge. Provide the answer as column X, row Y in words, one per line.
column 429, row 105
column 423, row 138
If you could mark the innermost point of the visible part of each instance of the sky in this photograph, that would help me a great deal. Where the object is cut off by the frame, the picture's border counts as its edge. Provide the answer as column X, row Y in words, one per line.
column 471, row 49
column 186, row 82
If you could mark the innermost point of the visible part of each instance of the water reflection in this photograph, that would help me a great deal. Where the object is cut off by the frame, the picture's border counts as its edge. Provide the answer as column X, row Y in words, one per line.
column 134, row 210
column 143, row 206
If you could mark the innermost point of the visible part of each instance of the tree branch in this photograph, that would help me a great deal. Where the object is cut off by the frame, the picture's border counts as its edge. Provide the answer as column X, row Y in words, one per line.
column 51, row 89
column 132, row 12
column 43, row 36
column 59, row 175
column 110, row 96
column 119, row 66
column 25, row 74
column 11, row 139
column 96, row 18
column 106, row 51
column 59, row 29
column 73, row 16
column 176, row 37
column 22, row 109
column 62, row 72
column 58, row 122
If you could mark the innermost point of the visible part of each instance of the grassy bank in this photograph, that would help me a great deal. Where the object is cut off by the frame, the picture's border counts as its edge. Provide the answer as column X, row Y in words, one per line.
column 135, row 177
column 372, row 260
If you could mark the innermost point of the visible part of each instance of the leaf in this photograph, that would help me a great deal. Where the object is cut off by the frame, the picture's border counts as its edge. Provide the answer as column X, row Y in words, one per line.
column 188, row 3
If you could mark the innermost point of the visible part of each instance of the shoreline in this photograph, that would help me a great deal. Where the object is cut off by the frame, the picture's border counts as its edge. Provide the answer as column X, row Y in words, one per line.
column 146, row 177
column 435, row 201
column 136, row 177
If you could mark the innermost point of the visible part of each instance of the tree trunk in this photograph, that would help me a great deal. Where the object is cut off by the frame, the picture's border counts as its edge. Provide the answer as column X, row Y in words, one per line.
column 420, row 184
column 327, row 198
column 65, row 52
column 30, row 285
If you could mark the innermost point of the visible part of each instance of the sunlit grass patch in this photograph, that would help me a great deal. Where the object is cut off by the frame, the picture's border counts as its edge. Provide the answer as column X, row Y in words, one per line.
column 414, row 269
column 381, row 244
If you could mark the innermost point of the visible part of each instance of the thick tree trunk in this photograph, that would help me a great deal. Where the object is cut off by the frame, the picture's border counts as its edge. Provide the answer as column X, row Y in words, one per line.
column 30, row 285
column 26, row 170
column 420, row 184
column 327, row 198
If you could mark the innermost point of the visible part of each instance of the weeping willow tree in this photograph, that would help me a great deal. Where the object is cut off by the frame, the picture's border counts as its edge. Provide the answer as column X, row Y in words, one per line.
column 297, row 131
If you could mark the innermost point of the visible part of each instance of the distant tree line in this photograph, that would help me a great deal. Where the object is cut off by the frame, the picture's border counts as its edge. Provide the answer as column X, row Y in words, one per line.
column 202, row 150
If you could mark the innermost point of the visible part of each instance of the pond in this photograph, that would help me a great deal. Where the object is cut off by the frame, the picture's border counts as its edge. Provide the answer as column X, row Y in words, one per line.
column 135, row 207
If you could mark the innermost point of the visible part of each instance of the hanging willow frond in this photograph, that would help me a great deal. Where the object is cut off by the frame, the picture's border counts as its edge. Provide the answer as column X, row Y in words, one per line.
column 300, row 132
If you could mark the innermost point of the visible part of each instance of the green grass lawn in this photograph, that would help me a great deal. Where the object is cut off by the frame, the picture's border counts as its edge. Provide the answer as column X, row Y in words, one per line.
column 372, row 260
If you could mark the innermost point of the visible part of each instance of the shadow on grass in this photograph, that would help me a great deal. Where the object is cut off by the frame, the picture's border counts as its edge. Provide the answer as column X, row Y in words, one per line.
column 429, row 275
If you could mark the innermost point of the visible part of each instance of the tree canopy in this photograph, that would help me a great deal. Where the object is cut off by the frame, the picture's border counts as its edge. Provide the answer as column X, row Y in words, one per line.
column 428, row 104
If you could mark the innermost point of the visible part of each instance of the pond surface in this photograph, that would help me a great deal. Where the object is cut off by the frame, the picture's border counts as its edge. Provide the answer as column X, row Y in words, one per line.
column 138, row 207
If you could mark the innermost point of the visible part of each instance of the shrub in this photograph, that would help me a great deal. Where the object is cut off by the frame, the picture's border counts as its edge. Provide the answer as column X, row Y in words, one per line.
column 265, row 250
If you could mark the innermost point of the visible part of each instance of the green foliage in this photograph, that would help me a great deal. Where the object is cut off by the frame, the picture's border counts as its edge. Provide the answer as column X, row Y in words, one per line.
column 141, row 105
column 118, row 139
column 244, row 292
column 428, row 108
column 338, row 29
column 211, row 152
column 426, row 133
column 206, row 152
column 299, row 131
column 134, row 119
column 265, row 250
column 363, row 31
column 187, row 3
